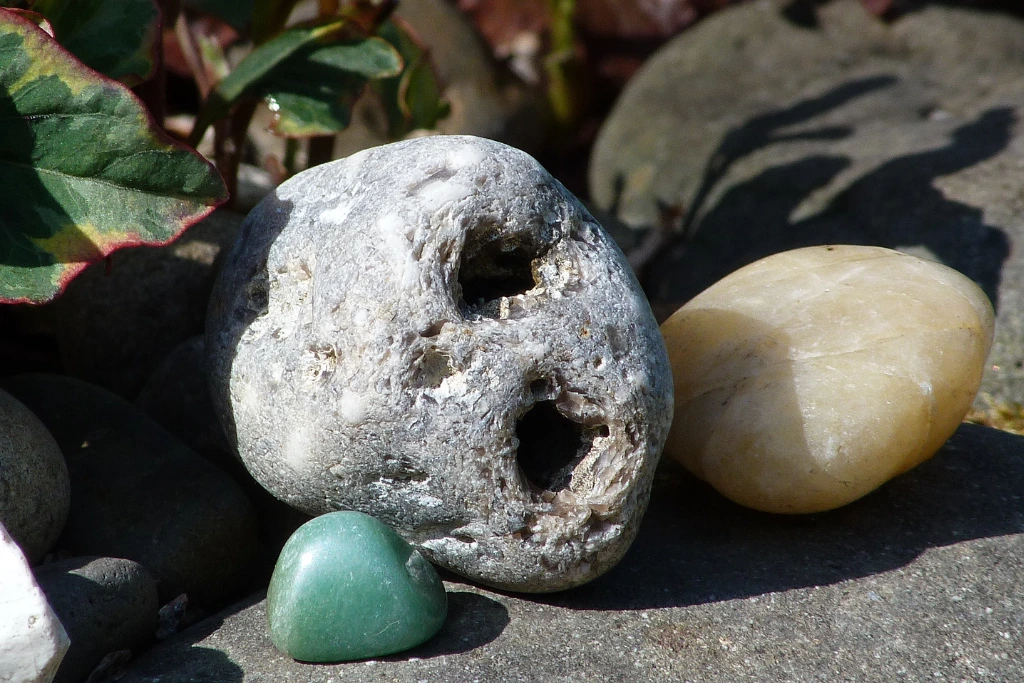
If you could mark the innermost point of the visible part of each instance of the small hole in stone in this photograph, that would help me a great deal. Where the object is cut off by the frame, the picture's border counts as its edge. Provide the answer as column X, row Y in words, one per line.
column 434, row 329
column 602, row 431
column 493, row 267
column 550, row 446
column 434, row 367
column 539, row 387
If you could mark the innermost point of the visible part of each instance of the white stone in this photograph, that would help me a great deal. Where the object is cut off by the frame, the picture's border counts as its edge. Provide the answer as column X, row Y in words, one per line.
column 32, row 640
column 454, row 301
column 809, row 378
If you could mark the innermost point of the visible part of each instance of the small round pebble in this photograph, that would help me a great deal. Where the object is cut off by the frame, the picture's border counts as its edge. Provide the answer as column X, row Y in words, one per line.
column 809, row 378
column 34, row 484
column 105, row 604
column 346, row 587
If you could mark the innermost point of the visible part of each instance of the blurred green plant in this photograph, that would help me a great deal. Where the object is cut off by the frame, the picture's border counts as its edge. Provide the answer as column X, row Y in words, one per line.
column 86, row 165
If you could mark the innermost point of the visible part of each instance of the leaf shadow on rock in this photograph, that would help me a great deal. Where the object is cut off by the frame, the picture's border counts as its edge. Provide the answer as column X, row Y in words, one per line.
column 895, row 205
column 695, row 546
column 764, row 130
column 473, row 620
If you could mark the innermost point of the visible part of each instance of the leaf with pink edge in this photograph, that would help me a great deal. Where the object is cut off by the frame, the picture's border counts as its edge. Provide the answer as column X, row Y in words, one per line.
column 84, row 169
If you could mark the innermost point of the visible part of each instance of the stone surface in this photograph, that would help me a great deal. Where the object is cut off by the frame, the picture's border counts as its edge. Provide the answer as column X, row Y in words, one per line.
column 346, row 587
column 34, row 485
column 177, row 397
column 138, row 493
column 436, row 333
column 32, row 640
column 809, row 378
column 775, row 125
column 918, row 581
column 105, row 604
column 116, row 323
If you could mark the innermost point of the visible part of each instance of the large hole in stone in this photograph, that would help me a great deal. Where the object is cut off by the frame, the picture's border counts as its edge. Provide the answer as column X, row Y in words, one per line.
column 494, row 268
column 550, row 446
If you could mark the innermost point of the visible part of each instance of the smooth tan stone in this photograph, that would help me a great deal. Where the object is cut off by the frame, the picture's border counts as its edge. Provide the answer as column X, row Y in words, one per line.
column 809, row 378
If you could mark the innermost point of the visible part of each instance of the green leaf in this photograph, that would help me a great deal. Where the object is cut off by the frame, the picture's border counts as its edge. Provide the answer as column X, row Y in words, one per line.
column 313, row 91
column 116, row 38
column 84, row 169
column 248, row 74
column 413, row 98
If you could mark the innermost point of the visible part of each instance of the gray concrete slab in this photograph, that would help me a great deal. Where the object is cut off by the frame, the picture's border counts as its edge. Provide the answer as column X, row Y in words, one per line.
column 919, row 581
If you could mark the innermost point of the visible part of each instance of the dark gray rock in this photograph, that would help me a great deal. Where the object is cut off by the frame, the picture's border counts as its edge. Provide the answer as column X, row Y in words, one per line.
column 769, row 129
column 918, row 581
column 115, row 323
column 177, row 397
column 138, row 493
column 34, row 485
column 105, row 604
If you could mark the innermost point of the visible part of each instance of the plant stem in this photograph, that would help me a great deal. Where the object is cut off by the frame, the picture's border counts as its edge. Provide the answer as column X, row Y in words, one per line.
column 291, row 149
column 321, row 148
column 193, row 55
column 560, row 63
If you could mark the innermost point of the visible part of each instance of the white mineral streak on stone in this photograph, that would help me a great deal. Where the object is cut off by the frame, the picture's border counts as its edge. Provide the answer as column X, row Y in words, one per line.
column 353, row 408
column 296, row 448
column 32, row 640
column 336, row 215
column 520, row 388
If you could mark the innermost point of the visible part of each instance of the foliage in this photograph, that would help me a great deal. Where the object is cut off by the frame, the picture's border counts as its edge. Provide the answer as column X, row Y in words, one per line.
column 84, row 169
column 86, row 165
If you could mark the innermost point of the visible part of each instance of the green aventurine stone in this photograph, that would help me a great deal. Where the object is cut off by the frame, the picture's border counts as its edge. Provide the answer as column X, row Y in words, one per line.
column 347, row 587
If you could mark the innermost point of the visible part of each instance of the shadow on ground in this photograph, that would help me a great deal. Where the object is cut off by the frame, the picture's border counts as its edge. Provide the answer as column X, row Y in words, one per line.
column 473, row 621
column 696, row 547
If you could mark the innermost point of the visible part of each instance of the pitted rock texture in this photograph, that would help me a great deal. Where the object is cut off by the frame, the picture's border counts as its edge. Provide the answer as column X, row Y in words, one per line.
column 436, row 333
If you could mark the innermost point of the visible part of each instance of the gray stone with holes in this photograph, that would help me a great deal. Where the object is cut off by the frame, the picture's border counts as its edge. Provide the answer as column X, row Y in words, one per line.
column 437, row 333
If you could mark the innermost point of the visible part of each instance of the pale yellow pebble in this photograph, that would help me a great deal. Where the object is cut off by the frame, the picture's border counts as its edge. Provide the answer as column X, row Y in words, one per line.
column 807, row 379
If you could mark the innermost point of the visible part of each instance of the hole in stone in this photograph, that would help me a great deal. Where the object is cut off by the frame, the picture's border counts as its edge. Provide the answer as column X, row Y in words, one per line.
column 550, row 446
column 602, row 431
column 539, row 387
column 434, row 329
column 434, row 367
column 492, row 268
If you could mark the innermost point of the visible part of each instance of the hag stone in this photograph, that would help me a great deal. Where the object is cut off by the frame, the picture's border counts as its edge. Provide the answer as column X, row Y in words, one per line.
column 435, row 332
column 32, row 640
column 347, row 587
column 809, row 378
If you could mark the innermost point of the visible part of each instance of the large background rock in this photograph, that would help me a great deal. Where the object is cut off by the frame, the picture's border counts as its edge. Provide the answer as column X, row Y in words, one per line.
column 773, row 129
column 919, row 581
